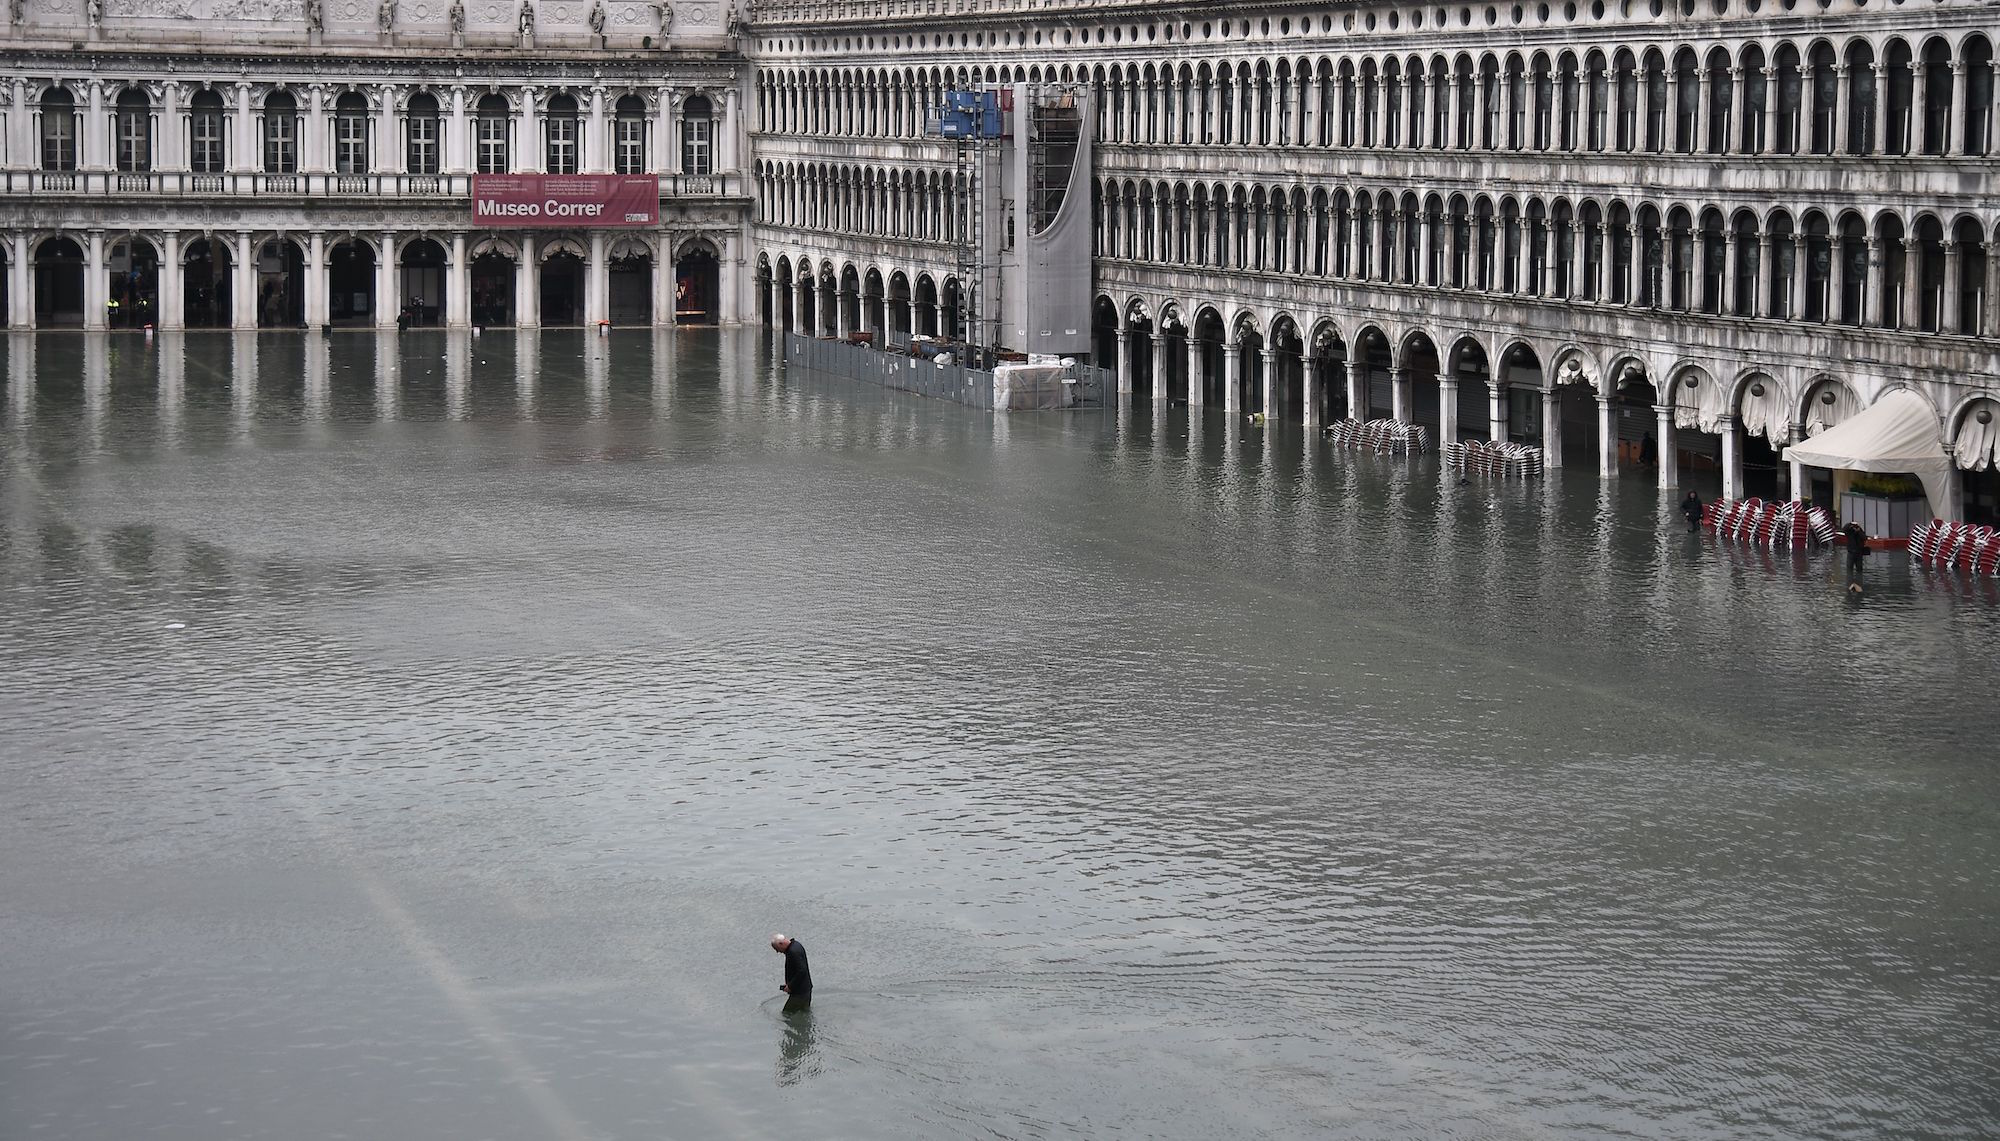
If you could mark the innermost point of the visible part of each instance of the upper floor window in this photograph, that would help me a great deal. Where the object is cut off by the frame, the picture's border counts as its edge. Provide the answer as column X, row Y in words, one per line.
column 494, row 126
column 420, row 126
column 697, row 136
column 629, row 141
column 58, row 116
column 350, row 134
column 559, row 125
column 281, row 134
column 205, row 136
column 133, row 124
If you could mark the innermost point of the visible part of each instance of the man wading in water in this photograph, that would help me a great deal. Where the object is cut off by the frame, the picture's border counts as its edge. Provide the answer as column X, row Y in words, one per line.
column 798, row 976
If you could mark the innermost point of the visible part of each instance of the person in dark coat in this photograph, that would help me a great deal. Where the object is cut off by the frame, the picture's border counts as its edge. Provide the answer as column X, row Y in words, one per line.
column 1857, row 547
column 1691, row 507
column 798, row 975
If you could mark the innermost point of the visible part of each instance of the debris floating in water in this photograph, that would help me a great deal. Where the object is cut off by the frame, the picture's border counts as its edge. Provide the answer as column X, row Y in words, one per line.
column 176, row 625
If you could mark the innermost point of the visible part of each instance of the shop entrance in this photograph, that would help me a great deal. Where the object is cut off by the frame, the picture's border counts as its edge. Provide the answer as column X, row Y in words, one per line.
column 350, row 279
column 493, row 290
column 59, row 285
column 281, row 275
column 205, row 285
column 134, row 293
column 562, row 289
column 697, row 287
column 631, row 288
column 421, row 285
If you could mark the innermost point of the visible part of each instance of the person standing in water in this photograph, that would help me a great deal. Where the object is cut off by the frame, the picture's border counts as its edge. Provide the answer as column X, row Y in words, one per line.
column 1691, row 507
column 1857, row 548
column 798, row 975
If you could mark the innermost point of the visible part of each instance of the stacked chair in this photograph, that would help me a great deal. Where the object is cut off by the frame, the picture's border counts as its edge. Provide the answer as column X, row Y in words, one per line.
column 1390, row 437
column 1956, row 546
column 1754, row 520
column 1483, row 457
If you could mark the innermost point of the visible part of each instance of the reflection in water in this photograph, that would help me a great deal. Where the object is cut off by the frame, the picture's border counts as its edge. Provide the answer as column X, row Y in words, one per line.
column 798, row 1043
column 1251, row 787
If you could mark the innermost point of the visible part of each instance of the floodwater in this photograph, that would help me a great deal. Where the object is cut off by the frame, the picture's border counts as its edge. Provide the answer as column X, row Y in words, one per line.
column 421, row 738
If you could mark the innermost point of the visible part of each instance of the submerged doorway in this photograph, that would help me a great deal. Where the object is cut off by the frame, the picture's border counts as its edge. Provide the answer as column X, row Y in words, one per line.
column 697, row 287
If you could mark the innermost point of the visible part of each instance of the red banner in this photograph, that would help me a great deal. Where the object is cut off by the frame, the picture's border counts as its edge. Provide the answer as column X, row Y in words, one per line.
column 565, row 201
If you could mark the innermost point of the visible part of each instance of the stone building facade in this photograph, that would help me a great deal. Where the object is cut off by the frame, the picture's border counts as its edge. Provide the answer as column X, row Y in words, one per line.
column 287, row 163
column 1621, row 229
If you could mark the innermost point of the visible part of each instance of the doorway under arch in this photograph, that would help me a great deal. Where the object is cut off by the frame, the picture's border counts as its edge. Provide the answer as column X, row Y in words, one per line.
column 205, row 277
column 697, row 286
column 350, row 277
column 59, row 284
column 281, row 276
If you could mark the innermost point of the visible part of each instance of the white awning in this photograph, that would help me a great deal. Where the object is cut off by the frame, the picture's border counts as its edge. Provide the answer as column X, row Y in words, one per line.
column 1898, row 433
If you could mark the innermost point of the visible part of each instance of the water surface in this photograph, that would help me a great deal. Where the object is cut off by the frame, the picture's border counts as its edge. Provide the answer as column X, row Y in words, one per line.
column 421, row 737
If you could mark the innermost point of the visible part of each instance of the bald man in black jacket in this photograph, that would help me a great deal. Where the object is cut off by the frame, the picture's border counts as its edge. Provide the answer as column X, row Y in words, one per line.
column 798, row 975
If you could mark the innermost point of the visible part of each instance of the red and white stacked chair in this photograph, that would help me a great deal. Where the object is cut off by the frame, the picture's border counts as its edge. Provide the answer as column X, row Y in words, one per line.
column 1789, row 524
column 1956, row 546
column 1483, row 457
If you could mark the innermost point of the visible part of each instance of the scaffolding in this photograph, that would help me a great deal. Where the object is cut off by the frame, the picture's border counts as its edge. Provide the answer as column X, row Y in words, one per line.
column 973, row 120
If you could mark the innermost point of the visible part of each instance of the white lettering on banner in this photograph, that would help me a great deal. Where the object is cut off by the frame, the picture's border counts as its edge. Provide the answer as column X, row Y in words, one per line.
column 489, row 207
column 573, row 209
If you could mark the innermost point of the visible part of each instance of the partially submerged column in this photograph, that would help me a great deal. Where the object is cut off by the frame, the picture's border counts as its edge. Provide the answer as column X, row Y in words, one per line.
column 1399, row 395
column 1195, row 381
column 1314, row 396
column 1496, row 411
column 1447, row 411
column 1732, row 459
column 1670, row 465
column 1552, row 435
column 1607, row 437
column 1159, row 368
column 1232, row 377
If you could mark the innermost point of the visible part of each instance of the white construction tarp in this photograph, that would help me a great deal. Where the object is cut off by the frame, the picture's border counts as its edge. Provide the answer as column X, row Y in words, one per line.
column 1898, row 433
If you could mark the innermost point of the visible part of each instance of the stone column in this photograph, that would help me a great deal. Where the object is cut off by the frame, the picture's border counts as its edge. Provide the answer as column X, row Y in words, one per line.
column 596, row 282
column 1879, row 144
column 528, row 286
column 1268, row 360
column 1315, row 397
column 1447, row 411
column 173, row 283
column 96, row 281
column 1670, row 465
column 457, row 144
column 1552, row 437
column 526, row 145
column 1194, row 377
column 1399, row 395
column 387, row 278
column 594, row 128
column 1727, row 302
column 1607, row 438
column 316, row 282
column 1232, row 378
column 1124, row 362
column 1732, row 137
column 1913, row 285
column 1159, row 367
column 314, row 153
column 1496, row 411
column 1732, row 458
column 1954, row 123
column 243, row 285
column 94, row 148
column 1837, row 144
column 1704, row 88
column 1670, row 121
column 725, row 134
column 804, row 321
column 458, row 291
column 663, row 294
column 1769, row 143
column 1424, row 250
column 247, row 155
column 1763, row 300
column 1953, row 283
column 388, row 140
column 171, row 150
column 1357, row 391
column 20, row 276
